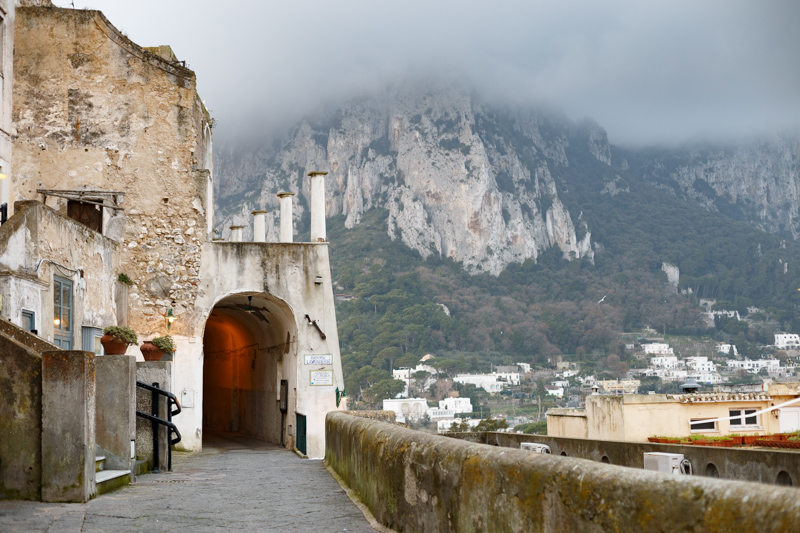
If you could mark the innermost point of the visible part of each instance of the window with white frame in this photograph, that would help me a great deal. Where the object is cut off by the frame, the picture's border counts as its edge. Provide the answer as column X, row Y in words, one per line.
column 744, row 419
column 702, row 427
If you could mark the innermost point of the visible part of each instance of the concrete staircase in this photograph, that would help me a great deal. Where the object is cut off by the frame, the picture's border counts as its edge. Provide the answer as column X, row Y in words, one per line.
column 109, row 480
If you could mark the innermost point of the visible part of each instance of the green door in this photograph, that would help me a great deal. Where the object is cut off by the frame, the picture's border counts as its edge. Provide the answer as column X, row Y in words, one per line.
column 301, row 434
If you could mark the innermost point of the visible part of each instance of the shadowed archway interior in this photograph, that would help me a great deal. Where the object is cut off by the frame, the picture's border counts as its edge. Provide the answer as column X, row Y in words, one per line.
column 248, row 347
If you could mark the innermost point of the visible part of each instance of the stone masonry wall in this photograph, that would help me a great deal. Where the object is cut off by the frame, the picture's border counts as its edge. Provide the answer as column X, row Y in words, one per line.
column 94, row 110
column 761, row 465
column 412, row 481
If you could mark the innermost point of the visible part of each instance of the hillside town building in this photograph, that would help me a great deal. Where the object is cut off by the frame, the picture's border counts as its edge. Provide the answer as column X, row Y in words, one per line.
column 630, row 417
column 787, row 341
column 770, row 365
column 491, row 383
column 656, row 348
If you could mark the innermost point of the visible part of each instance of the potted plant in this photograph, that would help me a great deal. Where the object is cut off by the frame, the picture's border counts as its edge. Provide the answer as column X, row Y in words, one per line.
column 116, row 339
column 154, row 350
column 750, row 439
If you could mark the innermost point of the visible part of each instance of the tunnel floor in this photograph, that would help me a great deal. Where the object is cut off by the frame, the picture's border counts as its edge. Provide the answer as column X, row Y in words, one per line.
column 224, row 440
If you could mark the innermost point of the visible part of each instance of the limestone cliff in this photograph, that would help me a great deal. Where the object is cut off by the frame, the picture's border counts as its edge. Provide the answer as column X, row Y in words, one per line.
column 756, row 181
column 460, row 178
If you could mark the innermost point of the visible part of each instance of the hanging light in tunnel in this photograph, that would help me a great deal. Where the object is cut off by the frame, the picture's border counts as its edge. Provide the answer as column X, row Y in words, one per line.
column 250, row 304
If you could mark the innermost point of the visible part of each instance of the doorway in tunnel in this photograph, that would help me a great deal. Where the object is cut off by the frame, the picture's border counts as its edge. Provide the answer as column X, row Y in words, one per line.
column 248, row 348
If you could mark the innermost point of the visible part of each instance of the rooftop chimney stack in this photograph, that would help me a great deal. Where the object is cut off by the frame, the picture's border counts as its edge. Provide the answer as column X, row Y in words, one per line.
column 287, row 230
column 236, row 233
column 259, row 226
column 317, row 206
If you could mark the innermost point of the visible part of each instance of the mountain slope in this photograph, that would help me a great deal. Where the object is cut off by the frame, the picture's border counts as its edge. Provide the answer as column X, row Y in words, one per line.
column 460, row 226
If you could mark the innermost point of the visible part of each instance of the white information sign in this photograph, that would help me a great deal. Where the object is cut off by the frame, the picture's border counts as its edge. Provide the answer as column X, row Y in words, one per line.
column 321, row 377
column 319, row 359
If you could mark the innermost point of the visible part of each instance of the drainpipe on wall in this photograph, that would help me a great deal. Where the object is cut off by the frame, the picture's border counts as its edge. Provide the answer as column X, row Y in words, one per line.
column 317, row 206
column 236, row 233
column 259, row 226
column 287, row 231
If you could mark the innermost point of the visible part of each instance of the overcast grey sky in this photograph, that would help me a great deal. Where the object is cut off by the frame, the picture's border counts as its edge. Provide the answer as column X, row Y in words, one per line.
column 649, row 72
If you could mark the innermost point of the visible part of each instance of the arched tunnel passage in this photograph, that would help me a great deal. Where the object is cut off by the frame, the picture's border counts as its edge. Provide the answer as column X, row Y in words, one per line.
column 248, row 348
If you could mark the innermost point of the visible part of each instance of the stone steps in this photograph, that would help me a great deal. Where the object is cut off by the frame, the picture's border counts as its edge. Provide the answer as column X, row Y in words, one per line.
column 108, row 480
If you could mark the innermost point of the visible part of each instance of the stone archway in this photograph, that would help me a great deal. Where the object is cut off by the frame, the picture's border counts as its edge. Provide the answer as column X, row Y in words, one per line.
column 249, row 346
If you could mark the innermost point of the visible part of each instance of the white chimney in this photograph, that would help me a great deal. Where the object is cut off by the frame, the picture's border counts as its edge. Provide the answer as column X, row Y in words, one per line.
column 287, row 230
column 236, row 233
column 259, row 226
column 317, row 206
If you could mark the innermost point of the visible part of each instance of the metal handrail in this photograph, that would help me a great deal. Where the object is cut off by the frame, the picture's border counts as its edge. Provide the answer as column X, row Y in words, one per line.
column 156, row 393
column 163, row 422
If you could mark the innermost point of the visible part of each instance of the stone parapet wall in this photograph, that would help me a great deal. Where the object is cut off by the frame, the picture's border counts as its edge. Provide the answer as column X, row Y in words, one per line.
column 382, row 416
column 413, row 481
column 742, row 464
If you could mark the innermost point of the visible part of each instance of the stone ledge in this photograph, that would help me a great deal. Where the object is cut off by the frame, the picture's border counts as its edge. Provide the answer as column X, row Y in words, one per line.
column 413, row 481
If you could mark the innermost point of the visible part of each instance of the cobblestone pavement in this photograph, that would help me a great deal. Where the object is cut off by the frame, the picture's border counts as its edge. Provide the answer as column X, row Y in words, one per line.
column 234, row 484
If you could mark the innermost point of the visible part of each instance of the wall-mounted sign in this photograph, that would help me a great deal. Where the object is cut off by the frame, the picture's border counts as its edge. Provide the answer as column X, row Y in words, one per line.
column 321, row 377
column 319, row 359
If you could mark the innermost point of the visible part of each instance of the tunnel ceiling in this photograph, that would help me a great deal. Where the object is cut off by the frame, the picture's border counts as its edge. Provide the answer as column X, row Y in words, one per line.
column 259, row 316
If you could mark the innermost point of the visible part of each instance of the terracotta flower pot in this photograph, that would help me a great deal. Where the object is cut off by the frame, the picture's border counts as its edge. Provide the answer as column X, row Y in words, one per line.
column 737, row 440
column 751, row 439
column 112, row 346
column 151, row 352
column 701, row 442
column 652, row 439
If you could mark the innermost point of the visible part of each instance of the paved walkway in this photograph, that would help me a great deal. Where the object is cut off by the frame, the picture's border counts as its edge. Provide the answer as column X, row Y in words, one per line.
column 234, row 484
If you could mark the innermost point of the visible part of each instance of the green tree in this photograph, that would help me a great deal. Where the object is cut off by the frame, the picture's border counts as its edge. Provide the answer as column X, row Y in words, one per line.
column 383, row 390
column 490, row 424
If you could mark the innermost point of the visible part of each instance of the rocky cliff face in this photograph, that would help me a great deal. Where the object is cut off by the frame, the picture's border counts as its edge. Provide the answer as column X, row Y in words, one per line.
column 460, row 178
column 757, row 181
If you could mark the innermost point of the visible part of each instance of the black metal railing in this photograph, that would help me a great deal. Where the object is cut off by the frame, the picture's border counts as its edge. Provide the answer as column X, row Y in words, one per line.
column 156, row 420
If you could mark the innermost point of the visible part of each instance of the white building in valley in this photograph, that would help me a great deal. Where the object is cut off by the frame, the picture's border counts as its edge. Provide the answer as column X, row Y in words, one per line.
column 666, row 361
column 772, row 365
column 700, row 364
column 459, row 405
column 407, row 409
column 787, row 341
column 656, row 348
column 488, row 382
column 726, row 348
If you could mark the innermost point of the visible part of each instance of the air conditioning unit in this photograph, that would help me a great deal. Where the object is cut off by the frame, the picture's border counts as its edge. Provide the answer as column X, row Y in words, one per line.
column 669, row 463
column 534, row 447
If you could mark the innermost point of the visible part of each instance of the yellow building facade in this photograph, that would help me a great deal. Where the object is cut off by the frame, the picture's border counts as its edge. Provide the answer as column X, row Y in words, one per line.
column 635, row 417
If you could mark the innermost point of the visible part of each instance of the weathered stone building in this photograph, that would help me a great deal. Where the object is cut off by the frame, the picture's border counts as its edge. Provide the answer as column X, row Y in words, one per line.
column 114, row 163
column 6, row 77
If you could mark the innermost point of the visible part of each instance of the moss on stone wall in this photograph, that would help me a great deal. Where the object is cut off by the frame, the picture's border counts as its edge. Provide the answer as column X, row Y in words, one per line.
column 413, row 481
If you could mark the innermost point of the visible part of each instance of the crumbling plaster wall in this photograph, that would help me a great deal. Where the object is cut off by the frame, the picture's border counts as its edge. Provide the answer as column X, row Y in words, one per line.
column 95, row 110
column 29, row 244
